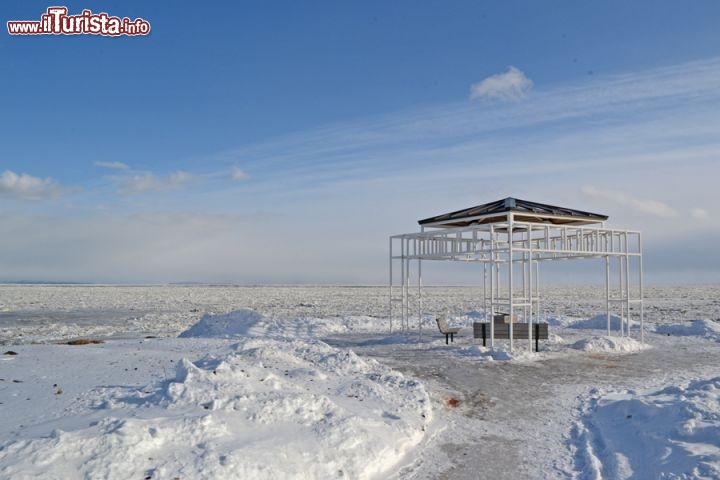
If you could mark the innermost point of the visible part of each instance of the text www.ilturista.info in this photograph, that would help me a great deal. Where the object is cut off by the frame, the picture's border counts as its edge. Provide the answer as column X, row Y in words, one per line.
column 57, row 22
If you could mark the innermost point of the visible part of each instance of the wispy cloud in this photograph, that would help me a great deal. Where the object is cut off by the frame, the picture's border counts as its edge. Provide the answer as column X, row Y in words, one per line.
column 606, row 118
column 641, row 124
column 146, row 182
column 699, row 213
column 27, row 187
column 237, row 174
column 511, row 85
column 149, row 182
column 651, row 207
column 112, row 165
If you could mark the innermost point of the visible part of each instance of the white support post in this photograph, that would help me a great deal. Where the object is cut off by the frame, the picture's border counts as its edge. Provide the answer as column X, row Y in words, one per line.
column 390, row 312
column 493, row 285
column 485, row 298
column 510, row 275
column 627, row 282
column 537, row 289
column 530, row 285
column 642, row 300
column 402, row 284
column 407, row 289
column 621, row 272
column 607, row 292
column 420, row 306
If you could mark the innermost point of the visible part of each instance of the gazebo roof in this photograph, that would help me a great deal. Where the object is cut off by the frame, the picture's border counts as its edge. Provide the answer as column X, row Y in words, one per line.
column 522, row 210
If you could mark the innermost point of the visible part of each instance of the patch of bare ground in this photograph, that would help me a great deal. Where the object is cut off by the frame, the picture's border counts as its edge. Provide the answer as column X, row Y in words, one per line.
column 84, row 341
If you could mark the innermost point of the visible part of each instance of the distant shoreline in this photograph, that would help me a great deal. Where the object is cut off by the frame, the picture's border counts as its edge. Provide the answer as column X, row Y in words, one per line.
column 321, row 285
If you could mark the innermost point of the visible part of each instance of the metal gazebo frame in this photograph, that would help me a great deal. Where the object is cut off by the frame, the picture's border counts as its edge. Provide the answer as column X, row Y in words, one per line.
column 510, row 238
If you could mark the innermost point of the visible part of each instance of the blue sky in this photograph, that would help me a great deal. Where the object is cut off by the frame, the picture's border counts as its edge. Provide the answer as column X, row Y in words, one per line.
column 283, row 142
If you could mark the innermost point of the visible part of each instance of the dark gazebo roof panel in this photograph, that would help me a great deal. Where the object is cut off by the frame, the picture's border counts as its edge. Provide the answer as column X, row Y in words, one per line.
column 497, row 212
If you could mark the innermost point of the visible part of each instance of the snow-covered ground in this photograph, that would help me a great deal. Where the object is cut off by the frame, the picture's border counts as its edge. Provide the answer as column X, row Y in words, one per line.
column 672, row 432
column 307, row 382
column 258, row 408
column 29, row 312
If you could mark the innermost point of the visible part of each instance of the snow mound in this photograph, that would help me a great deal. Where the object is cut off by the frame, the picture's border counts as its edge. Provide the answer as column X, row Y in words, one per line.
column 699, row 328
column 484, row 353
column 464, row 320
column 500, row 353
column 559, row 320
column 266, row 409
column 238, row 323
column 311, row 327
column 670, row 433
column 249, row 323
column 598, row 322
column 608, row 344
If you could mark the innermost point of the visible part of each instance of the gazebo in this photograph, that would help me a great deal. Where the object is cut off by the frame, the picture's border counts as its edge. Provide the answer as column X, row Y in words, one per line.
column 510, row 238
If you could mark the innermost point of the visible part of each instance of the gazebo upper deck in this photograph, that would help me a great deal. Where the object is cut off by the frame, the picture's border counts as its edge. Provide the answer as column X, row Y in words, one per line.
column 522, row 211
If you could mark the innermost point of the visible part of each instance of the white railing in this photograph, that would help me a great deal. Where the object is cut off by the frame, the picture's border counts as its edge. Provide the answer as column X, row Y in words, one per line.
column 499, row 245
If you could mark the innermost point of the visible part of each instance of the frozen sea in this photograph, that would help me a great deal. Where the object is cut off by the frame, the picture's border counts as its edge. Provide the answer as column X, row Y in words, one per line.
column 51, row 312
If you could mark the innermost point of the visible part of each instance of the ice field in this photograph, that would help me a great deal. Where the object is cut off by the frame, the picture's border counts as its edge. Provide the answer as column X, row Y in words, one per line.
column 308, row 382
column 47, row 312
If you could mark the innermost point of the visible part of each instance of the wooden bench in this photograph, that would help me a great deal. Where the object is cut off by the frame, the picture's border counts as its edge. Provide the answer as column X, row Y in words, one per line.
column 520, row 331
column 445, row 328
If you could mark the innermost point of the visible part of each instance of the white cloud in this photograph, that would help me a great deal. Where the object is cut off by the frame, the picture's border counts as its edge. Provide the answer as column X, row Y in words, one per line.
column 238, row 174
column 135, row 184
column 27, row 187
column 148, row 182
column 511, row 85
column 651, row 207
column 180, row 178
column 699, row 213
column 112, row 165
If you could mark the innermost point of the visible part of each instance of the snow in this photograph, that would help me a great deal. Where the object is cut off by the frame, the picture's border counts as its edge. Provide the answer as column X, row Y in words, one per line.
column 673, row 432
column 234, row 414
column 238, row 323
column 700, row 328
column 248, row 322
column 608, row 344
column 307, row 382
column 52, row 312
column 598, row 322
